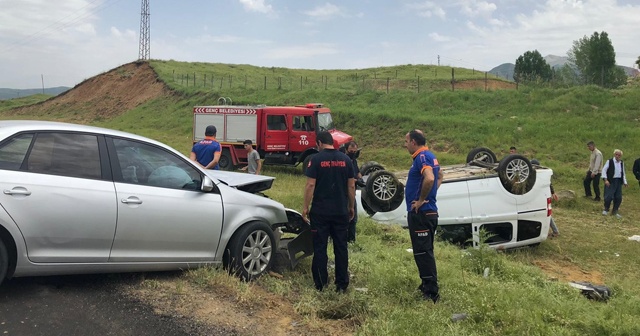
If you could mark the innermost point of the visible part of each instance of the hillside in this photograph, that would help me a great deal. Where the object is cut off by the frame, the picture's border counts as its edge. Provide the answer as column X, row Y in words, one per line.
column 101, row 97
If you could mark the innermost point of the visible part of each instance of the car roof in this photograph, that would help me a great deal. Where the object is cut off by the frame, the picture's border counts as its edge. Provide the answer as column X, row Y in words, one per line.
column 9, row 127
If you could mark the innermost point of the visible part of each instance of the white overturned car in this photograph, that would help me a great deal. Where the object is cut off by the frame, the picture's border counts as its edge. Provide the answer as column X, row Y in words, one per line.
column 510, row 199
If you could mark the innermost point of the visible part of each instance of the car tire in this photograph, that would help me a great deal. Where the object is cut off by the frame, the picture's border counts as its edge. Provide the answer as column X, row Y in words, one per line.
column 4, row 261
column 251, row 251
column 225, row 162
column 482, row 154
column 383, row 192
column 516, row 174
column 305, row 163
column 369, row 167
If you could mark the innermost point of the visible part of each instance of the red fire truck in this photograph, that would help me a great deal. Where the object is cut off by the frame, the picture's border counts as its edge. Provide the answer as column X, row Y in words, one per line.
column 283, row 135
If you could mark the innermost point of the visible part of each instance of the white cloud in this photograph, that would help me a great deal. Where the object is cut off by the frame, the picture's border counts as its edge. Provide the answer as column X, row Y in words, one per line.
column 427, row 9
column 326, row 12
column 256, row 6
column 473, row 8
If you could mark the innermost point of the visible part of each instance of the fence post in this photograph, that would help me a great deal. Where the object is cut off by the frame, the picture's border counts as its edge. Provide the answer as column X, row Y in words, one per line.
column 204, row 81
column 187, row 80
column 325, row 82
column 194, row 79
column 387, row 85
column 363, row 83
column 300, row 82
column 221, row 81
column 418, row 84
column 174, row 75
column 245, row 81
column 486, row 82
column 453, row 80
column 230, row 80
column 265, row 82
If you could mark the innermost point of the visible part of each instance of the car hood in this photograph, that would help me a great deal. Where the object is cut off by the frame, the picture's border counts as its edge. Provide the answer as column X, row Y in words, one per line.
column 242, row 181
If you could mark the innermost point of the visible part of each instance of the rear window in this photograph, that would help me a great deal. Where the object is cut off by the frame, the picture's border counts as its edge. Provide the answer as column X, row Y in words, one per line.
column 13, row 151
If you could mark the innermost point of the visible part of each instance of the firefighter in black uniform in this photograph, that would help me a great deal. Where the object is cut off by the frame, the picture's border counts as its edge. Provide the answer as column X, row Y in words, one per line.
column 330, row 191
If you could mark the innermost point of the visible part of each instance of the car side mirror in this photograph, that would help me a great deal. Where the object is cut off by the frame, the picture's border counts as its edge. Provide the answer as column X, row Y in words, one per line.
column 207, row 184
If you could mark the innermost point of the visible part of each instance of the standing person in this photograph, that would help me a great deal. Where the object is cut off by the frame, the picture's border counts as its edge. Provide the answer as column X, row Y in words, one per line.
column 513, row 150
column 331, row 186
column 614, row 178
column 422, row 216
column 254, row 163
column 594, row 172
column 207, row 152
column 636, row 169
column 352, row 152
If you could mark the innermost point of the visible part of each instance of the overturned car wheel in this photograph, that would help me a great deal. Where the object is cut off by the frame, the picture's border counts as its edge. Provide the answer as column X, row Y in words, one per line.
column 516, row 174
column 369, row 167
column 383, row 192
column 482, row 154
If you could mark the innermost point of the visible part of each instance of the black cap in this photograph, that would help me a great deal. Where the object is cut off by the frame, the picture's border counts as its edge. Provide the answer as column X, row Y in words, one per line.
column 210, row 131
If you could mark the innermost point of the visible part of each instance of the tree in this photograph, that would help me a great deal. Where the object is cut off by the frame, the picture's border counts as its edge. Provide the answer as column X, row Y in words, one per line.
column 595, row 59
column 638, row 62
column 531, row 67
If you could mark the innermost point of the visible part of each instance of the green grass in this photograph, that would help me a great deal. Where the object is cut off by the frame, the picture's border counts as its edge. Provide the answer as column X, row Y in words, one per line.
column 552, row 125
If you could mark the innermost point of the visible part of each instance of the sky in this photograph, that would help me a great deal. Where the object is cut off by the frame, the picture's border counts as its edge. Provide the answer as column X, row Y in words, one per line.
column 63, row 42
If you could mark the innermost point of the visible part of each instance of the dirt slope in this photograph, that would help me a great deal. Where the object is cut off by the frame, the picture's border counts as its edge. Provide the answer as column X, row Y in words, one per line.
column 103, row 96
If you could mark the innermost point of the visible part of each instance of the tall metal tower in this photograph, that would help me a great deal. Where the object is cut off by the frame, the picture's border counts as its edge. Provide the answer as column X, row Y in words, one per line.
column 145, row 32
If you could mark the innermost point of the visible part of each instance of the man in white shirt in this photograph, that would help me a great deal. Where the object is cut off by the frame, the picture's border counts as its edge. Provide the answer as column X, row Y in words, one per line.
column 614, row 178
column 594, row 172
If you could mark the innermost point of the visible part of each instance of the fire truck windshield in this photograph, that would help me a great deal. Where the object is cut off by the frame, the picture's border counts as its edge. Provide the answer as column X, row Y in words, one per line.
column 325, row 123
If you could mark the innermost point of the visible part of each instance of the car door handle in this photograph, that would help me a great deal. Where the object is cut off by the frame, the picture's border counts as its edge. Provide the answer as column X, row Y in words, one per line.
column 17, row 192
column 131, row 200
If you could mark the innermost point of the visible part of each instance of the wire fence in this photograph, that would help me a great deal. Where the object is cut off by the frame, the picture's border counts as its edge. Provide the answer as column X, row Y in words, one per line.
column 475, row 80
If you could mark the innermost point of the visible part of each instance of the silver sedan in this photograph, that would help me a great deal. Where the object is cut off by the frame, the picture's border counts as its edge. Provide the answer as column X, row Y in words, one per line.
column 80, row 199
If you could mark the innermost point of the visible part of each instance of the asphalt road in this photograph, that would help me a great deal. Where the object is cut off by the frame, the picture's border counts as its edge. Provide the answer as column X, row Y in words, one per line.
column 85, row 305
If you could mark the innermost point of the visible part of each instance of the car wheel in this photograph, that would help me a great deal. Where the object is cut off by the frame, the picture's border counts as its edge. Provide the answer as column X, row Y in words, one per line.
column 251, row 251
column 369, row 167
column 4, row 261
column 383, row 192
column 225, row 161
column 482, row 154
column 305, row 163
column 516, row 174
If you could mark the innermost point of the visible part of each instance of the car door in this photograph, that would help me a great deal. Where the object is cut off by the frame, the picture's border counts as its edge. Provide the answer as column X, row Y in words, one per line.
column 162, row 214
column 276, row 136
column 57, row 192
column 493, row 209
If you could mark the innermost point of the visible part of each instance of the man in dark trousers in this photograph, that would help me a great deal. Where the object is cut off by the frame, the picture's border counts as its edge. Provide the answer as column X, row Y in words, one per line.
column 614, row 178
column 422, row 216
column 331, row 186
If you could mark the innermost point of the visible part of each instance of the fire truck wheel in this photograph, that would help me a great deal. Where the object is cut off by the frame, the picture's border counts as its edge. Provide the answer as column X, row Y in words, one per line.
column 225, row 161
column 305, row 163
column 383, row 191
column 251, row 251
column 482, row 154
column 516, row 174
column 369, row 167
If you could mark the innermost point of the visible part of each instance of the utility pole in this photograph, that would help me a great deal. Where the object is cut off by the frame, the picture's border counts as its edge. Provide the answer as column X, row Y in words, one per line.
column 438, row 60
column 145, row 32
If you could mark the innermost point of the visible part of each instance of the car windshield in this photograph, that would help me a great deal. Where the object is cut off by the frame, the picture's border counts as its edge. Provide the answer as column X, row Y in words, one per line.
column 325, row 123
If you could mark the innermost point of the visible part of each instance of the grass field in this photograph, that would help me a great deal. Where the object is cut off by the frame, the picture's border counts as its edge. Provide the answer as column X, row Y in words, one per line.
column 526, row 292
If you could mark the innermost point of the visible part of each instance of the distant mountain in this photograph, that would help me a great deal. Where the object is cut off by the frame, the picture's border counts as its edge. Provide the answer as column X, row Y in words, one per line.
column 506, row 70
column 6, row 93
